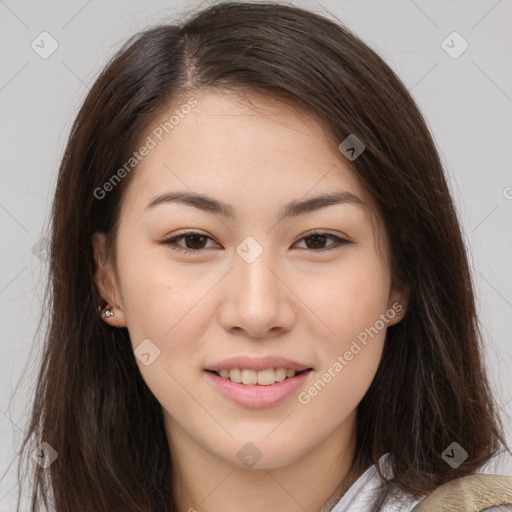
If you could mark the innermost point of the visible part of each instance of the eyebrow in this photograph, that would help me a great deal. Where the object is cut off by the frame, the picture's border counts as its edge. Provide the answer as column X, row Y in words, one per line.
column 292, row 209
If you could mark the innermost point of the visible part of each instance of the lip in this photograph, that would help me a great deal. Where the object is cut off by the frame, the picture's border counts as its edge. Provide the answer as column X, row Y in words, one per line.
column 256, row 396
column 257, row 364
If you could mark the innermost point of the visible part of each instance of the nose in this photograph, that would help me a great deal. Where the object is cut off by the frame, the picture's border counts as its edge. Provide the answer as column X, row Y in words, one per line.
column 256, row 299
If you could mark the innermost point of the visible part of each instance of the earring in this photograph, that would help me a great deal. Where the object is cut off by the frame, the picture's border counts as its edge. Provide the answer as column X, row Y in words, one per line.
column 109, row 311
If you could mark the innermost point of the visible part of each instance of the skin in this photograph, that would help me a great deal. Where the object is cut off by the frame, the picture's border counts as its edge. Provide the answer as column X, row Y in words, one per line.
column 256, row 154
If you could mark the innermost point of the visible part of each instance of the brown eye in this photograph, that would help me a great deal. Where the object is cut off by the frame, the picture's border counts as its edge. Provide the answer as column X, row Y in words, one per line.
column 194, row 242
column 316, row 241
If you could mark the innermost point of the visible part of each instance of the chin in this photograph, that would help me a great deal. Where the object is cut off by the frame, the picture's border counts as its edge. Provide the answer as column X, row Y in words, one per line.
column 261, row 454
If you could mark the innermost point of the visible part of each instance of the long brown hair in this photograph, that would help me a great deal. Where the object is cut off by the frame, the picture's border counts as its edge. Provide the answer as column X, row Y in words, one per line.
column 92, row 405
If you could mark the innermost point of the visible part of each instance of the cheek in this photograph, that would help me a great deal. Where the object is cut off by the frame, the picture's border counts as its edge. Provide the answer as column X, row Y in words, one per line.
column 163, row 305
column 351, row 305
column 348, row 297
column 338, row 387
column 152, row 287
column 349, row 361
column 169, row 303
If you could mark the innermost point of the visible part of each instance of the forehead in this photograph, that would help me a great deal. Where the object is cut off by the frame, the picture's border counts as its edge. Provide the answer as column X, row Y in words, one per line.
column 248, row 148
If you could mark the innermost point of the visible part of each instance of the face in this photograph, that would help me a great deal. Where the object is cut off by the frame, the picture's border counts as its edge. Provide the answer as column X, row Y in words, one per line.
column 232, row 283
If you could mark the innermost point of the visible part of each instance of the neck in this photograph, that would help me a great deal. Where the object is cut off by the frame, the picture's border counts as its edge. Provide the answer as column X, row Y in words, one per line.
column 340, row 491
column 314, row 481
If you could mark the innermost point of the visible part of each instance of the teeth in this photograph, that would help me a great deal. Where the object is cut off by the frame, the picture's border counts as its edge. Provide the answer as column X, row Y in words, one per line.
column 266, row 377
column 280, row 374
column 235, row 375
column 249, row 377
column 252, row 377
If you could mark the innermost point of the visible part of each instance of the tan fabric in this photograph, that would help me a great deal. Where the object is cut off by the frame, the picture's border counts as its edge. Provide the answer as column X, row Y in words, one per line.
column 472, row 493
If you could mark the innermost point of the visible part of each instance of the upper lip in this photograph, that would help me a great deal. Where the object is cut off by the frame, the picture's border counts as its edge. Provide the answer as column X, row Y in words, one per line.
column 257, row 364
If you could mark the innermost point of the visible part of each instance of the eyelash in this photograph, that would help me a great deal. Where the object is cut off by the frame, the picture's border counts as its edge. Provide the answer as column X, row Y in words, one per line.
column 196, row 252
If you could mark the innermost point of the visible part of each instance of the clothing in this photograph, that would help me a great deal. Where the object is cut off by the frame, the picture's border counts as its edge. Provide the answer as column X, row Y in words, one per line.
column 363, row 494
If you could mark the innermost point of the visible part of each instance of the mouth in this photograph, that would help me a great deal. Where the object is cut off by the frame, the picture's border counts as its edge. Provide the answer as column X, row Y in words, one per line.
column 266, row 377
column 257, row 389
column 257, row 382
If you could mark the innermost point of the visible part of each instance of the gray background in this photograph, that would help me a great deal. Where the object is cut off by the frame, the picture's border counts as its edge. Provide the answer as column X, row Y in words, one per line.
column 467, row 102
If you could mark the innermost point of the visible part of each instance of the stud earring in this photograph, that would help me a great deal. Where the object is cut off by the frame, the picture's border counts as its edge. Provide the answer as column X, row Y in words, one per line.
column 109, row 311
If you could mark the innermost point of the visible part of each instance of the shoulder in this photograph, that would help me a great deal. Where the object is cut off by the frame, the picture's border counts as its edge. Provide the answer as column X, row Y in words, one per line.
column 488, row 489
column 362, row 496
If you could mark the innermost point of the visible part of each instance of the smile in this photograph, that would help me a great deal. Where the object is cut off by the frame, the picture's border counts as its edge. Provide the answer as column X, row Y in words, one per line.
column 263, row 378
column 252, row 394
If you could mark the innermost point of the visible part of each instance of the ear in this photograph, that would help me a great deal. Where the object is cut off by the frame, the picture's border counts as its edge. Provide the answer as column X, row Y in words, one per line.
column 397, row 304
column 104, row 278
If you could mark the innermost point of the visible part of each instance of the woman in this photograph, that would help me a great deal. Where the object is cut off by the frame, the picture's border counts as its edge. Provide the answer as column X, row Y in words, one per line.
column 260, row 295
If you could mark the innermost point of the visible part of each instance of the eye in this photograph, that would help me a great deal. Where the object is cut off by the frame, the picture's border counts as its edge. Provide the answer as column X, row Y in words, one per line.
column 195, row 242
column 192, row 238
column 319, row 238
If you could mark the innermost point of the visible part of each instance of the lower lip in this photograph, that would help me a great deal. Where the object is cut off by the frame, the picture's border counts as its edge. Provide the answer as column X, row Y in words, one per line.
column 256, row 395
